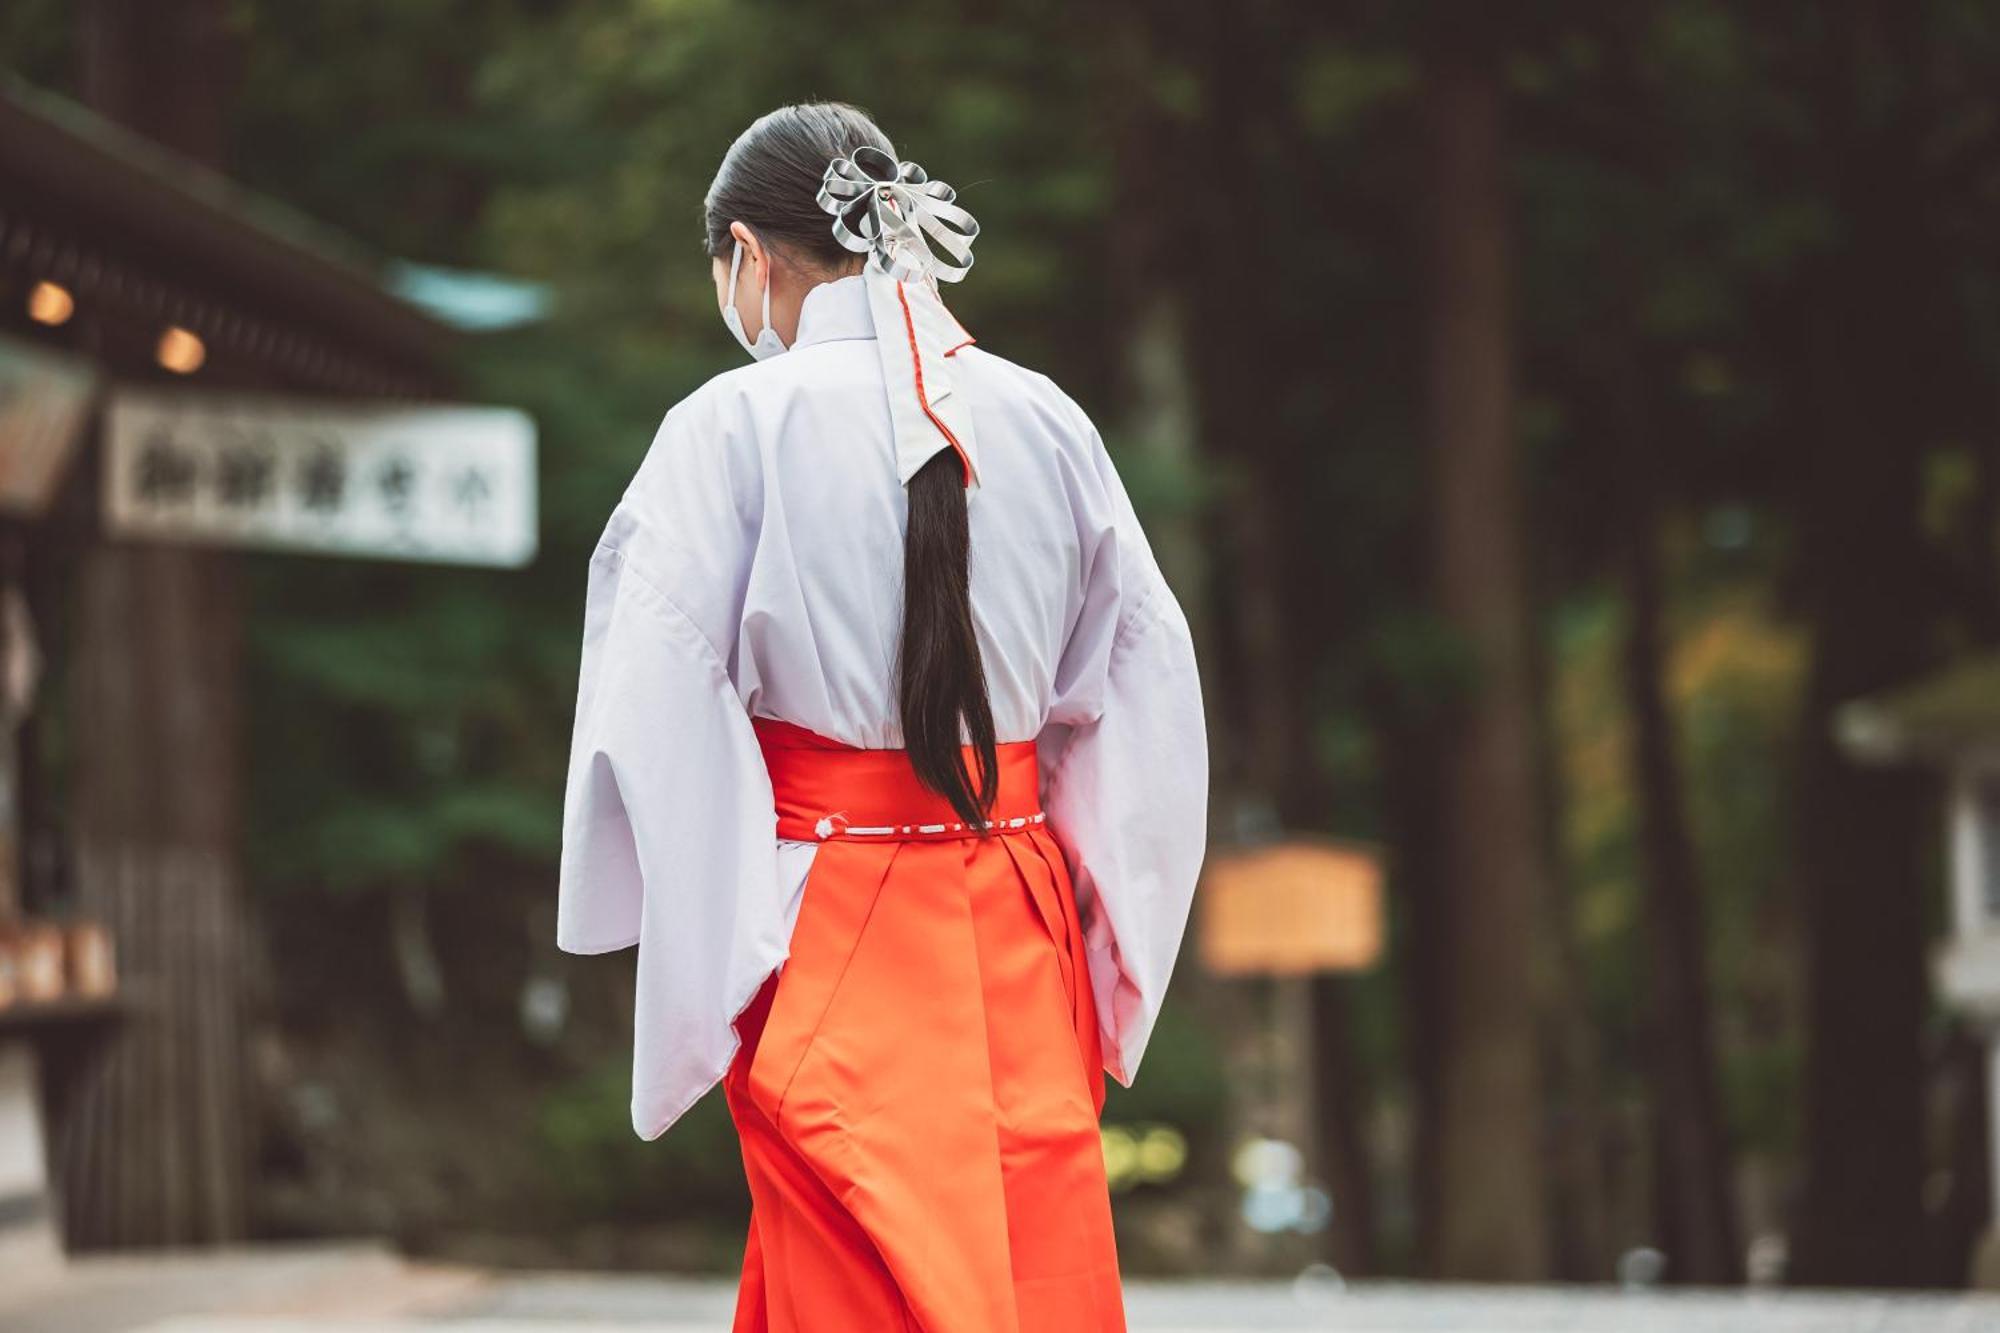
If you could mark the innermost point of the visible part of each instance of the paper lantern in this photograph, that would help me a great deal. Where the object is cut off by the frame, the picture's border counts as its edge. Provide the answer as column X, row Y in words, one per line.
column 39, row 963
column 93, row 967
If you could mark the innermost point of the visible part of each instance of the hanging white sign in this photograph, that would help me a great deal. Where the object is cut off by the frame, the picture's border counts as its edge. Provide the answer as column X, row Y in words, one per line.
column 44, row 401
column 448, row 484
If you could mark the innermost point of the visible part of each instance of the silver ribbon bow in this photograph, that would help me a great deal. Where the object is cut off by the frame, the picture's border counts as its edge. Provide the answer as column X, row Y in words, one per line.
column 895, row 212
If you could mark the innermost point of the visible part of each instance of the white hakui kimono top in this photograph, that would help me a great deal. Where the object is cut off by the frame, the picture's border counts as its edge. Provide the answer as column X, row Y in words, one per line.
column 754, row 566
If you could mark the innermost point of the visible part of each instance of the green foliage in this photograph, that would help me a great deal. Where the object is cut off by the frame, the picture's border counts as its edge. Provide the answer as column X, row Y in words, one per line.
column 598, row 1170
column 1734, row 683
column 38, row 42
column 1182, row 1084
column 1676, row 207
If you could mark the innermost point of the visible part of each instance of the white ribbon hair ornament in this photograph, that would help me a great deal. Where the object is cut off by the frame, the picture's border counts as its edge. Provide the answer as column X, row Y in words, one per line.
column 894, row 212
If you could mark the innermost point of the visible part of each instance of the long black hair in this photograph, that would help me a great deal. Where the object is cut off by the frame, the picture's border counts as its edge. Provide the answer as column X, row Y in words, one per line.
column 769, row 181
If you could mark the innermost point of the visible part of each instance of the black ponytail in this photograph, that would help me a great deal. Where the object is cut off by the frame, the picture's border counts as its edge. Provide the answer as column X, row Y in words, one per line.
column 942, row 680
column 769, row 181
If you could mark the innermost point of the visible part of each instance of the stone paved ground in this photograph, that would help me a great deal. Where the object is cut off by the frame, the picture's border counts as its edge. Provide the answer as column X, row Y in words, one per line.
column 630, row 1303
column 366, row 1290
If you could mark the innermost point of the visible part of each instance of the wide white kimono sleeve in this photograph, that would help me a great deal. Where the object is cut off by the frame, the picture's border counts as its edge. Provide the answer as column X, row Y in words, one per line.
column 668, row 826
column 1125, row 780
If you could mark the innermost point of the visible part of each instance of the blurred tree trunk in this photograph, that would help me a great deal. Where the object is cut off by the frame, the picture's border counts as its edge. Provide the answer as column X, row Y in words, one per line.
column 1580, row 1231
column 1694, row 1197
column 1267, row 776
column 1865, row 324
column 1484, row 1126
column 1269, row 518
column 155, row 1148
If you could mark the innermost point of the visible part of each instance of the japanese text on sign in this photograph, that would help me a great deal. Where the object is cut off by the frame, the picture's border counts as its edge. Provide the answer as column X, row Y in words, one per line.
column 451, row 484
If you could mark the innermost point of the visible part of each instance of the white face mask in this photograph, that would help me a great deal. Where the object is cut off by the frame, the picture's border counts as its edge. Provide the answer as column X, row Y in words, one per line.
column 768, row 343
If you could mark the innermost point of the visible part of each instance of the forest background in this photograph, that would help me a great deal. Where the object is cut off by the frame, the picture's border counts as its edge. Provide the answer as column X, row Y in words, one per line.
column 1550, row 414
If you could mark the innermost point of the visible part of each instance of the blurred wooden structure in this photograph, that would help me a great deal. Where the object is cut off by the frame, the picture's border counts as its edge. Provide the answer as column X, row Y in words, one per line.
column 40, row 1041
column 1270, row 917
column 141, row 265
column 1291, row 908
column 1952, row 722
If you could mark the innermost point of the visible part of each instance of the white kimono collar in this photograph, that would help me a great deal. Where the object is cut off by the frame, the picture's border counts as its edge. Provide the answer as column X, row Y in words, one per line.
column 916, row 337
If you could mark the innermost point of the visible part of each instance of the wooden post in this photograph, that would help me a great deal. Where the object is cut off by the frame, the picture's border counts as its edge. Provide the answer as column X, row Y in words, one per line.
column 154, row 1145
column 154, row 1153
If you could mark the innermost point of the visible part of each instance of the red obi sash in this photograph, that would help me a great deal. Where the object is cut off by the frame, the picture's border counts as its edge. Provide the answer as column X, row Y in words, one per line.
column 826, row 789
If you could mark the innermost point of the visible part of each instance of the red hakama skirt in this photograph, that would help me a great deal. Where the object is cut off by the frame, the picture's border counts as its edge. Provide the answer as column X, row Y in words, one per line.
column 918, row 1088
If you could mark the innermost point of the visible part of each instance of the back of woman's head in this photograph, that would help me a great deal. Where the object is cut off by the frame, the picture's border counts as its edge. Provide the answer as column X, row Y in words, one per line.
column 769, row 181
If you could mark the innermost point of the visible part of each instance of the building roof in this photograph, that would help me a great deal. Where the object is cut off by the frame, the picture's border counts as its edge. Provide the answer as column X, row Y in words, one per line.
column 470, row 300
column 72, row 180
column 1952, row 715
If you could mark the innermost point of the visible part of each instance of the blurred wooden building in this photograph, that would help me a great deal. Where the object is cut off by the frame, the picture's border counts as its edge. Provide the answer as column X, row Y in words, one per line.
column 1950, row 723
column 125, row 264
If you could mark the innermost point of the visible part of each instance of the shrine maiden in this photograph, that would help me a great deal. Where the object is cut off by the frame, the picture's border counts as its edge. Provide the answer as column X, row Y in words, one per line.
column 889, row 757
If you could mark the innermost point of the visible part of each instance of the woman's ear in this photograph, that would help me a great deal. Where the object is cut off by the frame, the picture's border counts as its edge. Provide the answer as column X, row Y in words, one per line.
column 753, row 249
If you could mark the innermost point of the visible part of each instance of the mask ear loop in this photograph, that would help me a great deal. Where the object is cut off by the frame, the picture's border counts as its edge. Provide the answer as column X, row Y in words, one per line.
column 767, row 299
column 735, row 268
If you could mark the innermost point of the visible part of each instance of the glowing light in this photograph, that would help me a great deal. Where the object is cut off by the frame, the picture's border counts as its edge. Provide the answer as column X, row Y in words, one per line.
column 1142, row 1154
column 180, row 351
column 1162, row 1153
column 1267, row 1162
column 50, row 303
column 1121, row 1156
